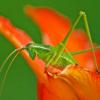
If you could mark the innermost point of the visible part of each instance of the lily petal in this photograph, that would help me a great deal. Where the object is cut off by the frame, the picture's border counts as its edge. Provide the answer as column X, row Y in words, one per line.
column 20, row 39
column 51, row 23
column 73, row 83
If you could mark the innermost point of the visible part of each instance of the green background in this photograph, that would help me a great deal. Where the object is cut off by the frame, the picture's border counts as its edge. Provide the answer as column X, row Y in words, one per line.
column 21, row 81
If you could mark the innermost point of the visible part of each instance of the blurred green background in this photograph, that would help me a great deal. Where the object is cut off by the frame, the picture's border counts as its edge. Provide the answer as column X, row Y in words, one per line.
column 21, row 81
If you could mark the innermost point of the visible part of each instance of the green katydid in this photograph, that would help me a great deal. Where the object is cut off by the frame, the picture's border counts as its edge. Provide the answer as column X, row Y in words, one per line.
column 54, row 55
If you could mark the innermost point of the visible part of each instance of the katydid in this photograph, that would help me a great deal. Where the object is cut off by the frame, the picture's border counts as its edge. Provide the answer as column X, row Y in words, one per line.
column 55, row 55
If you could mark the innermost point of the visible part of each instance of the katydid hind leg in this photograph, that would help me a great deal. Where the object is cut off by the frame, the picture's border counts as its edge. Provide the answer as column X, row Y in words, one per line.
column 62, row 45
column 90, row 39
column 58, row 50
column 82, row 14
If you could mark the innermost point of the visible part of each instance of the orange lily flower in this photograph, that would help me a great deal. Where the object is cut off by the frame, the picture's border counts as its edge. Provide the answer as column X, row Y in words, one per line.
column 72, row 83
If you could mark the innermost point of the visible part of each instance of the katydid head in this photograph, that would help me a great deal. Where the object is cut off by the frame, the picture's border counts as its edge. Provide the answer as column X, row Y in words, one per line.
column 31, row 50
